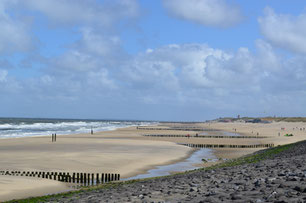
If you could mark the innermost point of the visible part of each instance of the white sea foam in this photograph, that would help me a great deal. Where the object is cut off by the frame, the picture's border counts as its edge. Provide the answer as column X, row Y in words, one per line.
column 14, row 129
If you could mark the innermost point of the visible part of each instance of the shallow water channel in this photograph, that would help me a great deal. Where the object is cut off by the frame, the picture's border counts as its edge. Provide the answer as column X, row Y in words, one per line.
column 195, row 158
column 188, row 164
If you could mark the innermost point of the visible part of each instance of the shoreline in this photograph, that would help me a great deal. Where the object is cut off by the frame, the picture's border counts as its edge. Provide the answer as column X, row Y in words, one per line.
column 77, row 133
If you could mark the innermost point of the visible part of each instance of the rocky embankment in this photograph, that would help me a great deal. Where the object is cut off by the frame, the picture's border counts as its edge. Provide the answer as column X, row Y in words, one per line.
column 279, row 178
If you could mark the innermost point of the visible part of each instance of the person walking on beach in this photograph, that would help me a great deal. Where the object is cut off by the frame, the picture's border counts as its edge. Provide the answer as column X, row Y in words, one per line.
column 54, row 137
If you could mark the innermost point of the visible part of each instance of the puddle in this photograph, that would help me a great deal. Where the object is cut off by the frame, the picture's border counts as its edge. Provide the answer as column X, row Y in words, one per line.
column 223, row 133
column 195, row 158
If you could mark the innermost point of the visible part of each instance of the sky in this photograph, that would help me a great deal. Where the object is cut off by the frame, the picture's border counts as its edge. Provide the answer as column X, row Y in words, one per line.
column 170, row 60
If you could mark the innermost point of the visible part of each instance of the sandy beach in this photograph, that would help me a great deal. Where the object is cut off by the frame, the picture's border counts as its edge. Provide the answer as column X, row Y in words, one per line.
column 125, row 151
column 21, row 187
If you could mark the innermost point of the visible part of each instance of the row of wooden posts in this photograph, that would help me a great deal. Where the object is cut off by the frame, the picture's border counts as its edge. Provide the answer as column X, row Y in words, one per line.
column 205, row 136
column 78, row 178
column 182, row 129
column 227, row 145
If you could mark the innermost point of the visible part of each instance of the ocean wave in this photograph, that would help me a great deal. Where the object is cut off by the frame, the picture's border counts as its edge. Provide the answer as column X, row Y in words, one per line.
column 15, row 129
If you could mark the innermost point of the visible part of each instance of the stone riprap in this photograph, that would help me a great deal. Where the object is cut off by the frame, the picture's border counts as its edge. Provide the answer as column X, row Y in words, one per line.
column 280, row 178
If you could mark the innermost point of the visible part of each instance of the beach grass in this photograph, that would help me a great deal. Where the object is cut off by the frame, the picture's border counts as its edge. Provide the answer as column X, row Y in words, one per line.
column 248, row 159
column 254, row 158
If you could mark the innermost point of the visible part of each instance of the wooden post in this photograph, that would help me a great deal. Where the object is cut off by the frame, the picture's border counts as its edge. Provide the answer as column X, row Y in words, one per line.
column 73, row 177
column 78, row 177
column 97, row 179
column 84, row 175
column 102, row 178
column 108, row 177
column 92, row 178
column 81, row 177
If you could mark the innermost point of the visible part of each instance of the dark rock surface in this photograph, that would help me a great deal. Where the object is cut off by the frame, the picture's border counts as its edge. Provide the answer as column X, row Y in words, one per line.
column 281, row 178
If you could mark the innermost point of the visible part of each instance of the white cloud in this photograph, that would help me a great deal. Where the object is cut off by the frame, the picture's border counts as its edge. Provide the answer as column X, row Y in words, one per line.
column 285, row 31
column 8, row 85
column 14, row 34
column 180, row 76
column 3, row 75
column 73, row 12
column 215, row 13
column 192, row 73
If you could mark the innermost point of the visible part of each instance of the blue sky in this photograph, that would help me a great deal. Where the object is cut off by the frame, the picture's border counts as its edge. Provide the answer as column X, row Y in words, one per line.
column 188, row 60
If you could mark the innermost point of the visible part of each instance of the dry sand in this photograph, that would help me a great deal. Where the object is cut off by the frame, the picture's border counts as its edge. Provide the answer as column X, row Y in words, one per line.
column 270, row 130
column 20, row 187
column 123, row 151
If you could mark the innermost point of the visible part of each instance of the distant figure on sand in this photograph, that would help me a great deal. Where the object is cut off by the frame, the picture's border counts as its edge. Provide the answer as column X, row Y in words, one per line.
column 91, row 131
column 54, row 137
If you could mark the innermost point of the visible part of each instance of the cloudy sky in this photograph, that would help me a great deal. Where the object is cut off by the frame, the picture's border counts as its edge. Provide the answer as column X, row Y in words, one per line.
column 152, row 59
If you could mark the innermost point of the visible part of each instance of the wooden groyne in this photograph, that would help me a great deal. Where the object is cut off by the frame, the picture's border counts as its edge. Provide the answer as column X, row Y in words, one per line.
column 207, row 136
column 182, row 129
column 85, row 179
column 227, row 145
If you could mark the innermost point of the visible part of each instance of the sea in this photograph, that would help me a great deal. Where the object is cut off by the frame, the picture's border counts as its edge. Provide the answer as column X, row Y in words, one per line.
column 30, row 127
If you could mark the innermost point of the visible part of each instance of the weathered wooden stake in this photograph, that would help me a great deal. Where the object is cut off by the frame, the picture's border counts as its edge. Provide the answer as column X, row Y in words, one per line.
column 102, row 178
column 92, row 178
column 97, row 179
column 81, row 178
